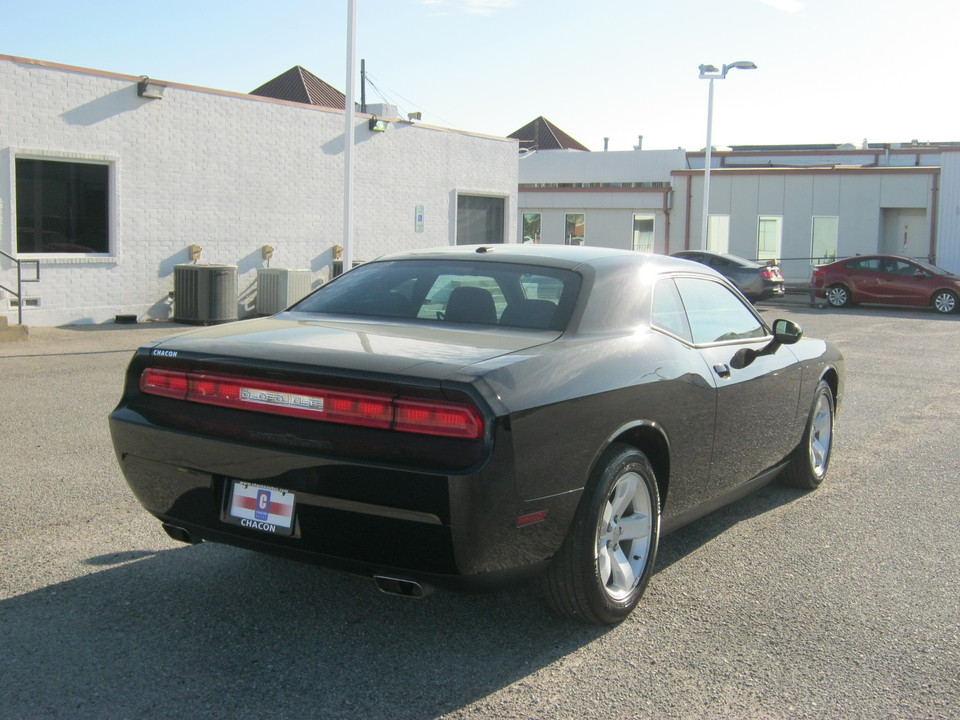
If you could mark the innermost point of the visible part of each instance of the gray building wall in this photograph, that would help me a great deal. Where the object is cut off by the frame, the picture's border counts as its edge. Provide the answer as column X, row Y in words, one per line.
column 866, row 201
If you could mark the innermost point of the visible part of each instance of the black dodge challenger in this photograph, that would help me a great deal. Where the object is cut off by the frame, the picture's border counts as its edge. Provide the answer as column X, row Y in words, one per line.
column 469, row 416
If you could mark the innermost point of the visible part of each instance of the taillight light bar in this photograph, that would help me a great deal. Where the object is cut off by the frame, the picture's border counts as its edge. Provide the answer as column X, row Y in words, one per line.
column 375, row 410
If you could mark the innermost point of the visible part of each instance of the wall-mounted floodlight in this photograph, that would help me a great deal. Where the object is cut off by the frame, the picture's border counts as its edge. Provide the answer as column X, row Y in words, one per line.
column 414, row 116
column 151, row 89
column 376, row 124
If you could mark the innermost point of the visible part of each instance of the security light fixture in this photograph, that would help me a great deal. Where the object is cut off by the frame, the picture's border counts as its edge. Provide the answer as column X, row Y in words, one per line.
column 414, row 116
column 711, row 73
column 376, row 124
column 150, row 89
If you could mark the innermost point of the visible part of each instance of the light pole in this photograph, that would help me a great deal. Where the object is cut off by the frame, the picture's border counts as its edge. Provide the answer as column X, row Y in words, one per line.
column 711, row 73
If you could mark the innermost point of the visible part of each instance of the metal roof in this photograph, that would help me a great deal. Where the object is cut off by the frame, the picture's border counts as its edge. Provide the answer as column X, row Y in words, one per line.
column 300, row 85
column 541, row 134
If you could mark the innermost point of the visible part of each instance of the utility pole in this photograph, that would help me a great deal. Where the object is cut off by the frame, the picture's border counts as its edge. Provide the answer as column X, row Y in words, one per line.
column 363, row 85
column 348, row 137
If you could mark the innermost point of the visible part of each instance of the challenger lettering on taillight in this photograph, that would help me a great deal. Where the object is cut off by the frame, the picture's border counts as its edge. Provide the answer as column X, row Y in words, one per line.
column 377, row 410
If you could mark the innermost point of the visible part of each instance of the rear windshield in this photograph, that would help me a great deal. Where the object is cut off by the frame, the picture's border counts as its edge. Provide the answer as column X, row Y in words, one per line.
column 455, row 292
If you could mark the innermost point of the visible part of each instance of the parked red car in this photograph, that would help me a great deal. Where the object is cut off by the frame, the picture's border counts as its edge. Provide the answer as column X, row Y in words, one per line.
column 886, row 279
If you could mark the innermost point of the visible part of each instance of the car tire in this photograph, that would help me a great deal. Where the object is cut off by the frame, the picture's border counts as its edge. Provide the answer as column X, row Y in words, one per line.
column 944, row 301
column 838, row 295
column 811, row 458
column 606, row 560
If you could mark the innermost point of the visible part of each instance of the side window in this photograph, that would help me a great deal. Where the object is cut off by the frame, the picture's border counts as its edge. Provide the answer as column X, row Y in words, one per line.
column 668, row 314
column 865, row 265
column 900, row 267
column 715, row 314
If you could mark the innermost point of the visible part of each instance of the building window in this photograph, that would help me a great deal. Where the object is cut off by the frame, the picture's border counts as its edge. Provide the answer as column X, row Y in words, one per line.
column 643, row 233
column 479, row 220
column 575, row 228
column 531, row 228
column 718, row 233
column 823, row 247
column 768, row 237
column 62, row 207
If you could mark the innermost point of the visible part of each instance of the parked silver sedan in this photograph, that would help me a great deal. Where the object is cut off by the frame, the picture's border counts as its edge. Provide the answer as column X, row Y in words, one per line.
column 755, row 281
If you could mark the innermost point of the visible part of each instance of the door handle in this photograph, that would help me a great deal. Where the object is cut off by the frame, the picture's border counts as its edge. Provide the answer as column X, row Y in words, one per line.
column 722, row 369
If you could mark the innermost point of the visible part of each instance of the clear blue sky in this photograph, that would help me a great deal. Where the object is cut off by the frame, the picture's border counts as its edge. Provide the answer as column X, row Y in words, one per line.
column 829, row 70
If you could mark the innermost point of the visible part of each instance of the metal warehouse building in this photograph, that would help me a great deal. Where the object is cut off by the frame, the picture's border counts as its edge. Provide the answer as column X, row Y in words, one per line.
column 798, row 204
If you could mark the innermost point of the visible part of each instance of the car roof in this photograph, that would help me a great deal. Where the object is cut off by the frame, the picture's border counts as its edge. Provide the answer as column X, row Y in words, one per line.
column 558, row 256
column 745, row 262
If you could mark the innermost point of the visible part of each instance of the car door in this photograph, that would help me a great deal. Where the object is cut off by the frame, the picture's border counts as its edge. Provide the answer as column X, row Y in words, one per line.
column 863, row 275
column 757, row 401
column 903, row 283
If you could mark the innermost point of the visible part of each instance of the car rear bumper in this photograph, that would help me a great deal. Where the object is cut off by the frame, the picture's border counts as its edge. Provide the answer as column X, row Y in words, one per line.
column 445, row 529
column 775, row 290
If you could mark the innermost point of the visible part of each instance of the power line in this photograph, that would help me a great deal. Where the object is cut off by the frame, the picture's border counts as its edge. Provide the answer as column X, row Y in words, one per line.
column 409, row 102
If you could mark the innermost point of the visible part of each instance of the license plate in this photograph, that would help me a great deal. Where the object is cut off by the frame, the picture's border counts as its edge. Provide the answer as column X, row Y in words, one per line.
column 261, row 507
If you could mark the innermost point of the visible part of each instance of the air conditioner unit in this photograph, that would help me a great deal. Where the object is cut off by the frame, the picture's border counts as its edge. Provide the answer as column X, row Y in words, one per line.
column 205, row 294
column 279, row 288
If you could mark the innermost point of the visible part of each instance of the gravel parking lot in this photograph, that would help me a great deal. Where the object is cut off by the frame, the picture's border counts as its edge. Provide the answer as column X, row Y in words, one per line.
column 840, row 603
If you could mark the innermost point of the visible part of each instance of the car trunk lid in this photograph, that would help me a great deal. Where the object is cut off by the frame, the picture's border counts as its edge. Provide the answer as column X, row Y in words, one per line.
column 425, row 351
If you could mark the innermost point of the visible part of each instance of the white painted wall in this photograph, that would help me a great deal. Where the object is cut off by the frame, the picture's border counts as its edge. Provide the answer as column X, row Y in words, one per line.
column 574, row 166
column 230, row 173
column 609, row 214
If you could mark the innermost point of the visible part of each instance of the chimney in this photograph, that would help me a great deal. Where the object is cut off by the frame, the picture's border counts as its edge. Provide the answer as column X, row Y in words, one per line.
column 639, row 145
column 606, row 143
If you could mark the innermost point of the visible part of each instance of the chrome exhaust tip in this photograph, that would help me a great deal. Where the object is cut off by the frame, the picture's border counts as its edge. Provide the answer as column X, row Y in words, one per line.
column 401, row 586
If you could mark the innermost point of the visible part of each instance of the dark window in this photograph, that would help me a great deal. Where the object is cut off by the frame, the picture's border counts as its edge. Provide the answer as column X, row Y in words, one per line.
column 900, row 267
column 479, row 220
column 432, row 291
column 865, row 264
column 62, row 207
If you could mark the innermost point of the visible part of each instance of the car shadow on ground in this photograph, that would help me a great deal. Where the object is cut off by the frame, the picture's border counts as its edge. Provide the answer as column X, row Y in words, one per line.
column 213, row 631
column 683, row 541
column 226, row 633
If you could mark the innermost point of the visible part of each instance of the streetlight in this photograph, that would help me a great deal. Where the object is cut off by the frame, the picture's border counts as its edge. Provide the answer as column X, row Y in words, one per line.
column 711, row 73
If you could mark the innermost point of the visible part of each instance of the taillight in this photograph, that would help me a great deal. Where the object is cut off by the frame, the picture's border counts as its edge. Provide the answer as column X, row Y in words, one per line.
column 816, row 280
column 375, row 410
column 767, row 274
column 434, row 418
column 164, row 382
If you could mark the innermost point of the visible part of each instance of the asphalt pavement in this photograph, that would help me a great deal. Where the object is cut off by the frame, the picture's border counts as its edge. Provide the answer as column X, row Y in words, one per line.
column 843, row 602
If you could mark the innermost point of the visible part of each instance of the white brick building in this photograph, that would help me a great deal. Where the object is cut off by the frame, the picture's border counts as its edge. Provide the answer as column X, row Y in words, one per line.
column 144, row 179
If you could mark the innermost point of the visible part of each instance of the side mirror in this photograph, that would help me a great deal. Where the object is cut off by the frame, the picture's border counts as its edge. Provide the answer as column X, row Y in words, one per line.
column 786, row 332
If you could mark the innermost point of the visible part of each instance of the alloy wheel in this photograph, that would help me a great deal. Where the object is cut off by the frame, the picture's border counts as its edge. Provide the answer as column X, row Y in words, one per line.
column 624, row 536
column 821, row 435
